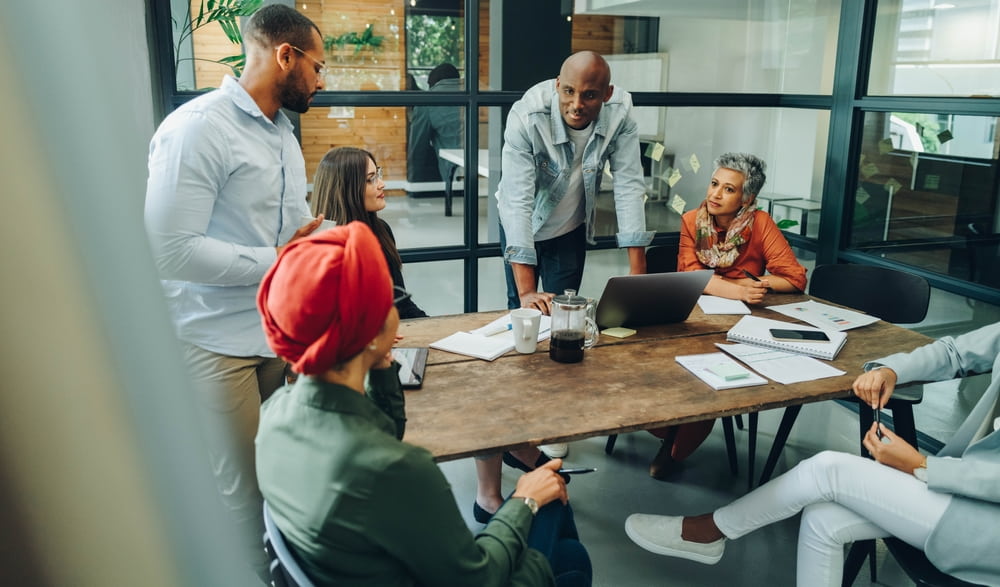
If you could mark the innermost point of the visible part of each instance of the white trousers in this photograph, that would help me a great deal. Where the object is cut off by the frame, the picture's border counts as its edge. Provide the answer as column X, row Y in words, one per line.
column 843, row 498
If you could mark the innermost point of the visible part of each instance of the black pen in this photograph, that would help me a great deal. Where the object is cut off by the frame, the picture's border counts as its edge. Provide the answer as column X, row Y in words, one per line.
column 751, row 275
column 578, row 471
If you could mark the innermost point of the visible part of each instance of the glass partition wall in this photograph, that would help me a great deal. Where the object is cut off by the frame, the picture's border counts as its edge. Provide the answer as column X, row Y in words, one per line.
column 895, row 177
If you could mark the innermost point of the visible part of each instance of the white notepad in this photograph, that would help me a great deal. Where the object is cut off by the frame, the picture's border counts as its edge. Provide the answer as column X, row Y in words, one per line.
column 706, row 367
column 756, row 330
column 475, row 344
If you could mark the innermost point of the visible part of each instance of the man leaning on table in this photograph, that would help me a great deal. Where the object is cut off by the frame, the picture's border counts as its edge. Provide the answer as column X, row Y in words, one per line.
column 559, row 137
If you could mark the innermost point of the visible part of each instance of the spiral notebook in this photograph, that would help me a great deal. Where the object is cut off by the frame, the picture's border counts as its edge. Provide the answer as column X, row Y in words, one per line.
column 755, row 330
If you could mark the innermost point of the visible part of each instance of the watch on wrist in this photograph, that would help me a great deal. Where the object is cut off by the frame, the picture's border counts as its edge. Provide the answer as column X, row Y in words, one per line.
column 532, row 505
column 921, row 471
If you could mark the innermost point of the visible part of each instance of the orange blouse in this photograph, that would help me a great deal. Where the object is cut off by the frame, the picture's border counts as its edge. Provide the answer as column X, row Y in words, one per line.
column 767, row 249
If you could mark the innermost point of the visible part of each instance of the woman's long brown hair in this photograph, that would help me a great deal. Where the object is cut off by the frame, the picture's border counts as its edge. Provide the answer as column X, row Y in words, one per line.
column 339, row 193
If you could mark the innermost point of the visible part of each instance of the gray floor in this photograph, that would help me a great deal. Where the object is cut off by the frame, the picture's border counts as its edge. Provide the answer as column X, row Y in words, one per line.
column 621, row 485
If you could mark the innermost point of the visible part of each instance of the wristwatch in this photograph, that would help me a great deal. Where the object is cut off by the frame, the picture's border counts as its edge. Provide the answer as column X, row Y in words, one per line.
column 921, row 471
column 532, row 505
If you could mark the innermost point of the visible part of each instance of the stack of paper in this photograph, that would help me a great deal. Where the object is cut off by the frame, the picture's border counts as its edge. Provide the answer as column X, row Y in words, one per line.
column 780, row 366
column 488, row 342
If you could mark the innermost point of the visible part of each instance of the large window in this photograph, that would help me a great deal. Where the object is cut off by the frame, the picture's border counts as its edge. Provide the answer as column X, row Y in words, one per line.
column 777, row 78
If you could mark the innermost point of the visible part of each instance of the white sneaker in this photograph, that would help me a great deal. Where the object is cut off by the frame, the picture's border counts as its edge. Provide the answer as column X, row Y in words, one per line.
column 555, row 451
column 662, row 535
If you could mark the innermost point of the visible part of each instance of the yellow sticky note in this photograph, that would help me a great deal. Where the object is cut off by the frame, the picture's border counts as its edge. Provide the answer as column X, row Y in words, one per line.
column 868, row 170
column 892, row 185
column 677, row 204
column 884, row 146
column 618, row 332
column 674, row 178
column 695, row 164
column 657, row 151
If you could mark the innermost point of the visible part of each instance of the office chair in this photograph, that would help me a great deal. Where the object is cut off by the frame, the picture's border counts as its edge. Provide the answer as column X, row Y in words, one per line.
column 285, row 570
column 663, row 259
column 912, row 560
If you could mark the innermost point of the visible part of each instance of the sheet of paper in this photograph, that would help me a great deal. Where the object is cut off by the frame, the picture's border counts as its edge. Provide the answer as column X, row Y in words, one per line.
column 675, row 177
column 506, row 334
column 780, row 366
column 824, row 316
column 717, row 305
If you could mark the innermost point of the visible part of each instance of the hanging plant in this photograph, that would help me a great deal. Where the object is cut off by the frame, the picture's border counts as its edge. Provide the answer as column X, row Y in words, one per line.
column 367, row 38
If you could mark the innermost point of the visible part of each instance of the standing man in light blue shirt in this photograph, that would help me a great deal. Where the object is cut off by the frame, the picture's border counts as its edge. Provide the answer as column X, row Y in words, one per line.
column 559, row 137
column 226, row 191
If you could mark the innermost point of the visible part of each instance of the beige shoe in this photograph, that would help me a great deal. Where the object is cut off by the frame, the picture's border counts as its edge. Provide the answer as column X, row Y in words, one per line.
column 662, row 535
column 555, row 451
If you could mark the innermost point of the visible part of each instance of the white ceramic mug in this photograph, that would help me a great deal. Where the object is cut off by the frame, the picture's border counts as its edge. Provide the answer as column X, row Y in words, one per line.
column 524, row 323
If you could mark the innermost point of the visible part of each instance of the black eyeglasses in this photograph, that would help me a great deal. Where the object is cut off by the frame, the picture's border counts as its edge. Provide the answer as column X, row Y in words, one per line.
column 400, row 294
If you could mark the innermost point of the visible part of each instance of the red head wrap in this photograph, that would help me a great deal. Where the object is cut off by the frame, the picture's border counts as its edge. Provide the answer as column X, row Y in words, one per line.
column 326, row 297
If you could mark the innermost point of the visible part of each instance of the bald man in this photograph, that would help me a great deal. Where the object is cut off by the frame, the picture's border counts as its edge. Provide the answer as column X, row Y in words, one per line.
column 226, row 191
column 559, row 137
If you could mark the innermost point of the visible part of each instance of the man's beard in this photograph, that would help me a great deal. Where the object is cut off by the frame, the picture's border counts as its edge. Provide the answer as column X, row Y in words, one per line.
column 292, row 97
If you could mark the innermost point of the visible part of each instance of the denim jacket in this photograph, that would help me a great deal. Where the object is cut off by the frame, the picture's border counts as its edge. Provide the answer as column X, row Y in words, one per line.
column 537, row 154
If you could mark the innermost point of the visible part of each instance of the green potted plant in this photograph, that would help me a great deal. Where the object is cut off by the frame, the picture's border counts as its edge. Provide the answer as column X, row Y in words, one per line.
column 224, row 12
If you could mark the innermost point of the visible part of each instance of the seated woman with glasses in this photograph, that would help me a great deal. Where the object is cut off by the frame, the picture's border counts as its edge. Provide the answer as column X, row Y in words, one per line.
column 729, row 234
column 348, row 186
column 356, row 504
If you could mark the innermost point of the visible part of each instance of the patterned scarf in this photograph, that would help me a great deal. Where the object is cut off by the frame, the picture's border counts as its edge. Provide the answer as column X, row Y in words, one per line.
column 712, row 253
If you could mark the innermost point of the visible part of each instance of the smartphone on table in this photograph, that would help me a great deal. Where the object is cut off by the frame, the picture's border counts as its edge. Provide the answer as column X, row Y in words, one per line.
column 799, row 335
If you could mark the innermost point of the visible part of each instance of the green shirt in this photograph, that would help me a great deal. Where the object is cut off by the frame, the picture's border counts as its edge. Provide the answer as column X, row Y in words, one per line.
column 360, row 507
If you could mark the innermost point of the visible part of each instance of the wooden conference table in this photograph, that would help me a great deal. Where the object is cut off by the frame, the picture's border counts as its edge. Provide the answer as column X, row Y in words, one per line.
column 469, row 407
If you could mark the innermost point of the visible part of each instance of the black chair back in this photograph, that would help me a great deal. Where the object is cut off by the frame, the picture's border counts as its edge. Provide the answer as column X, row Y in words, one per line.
column 285, row 570
column 889, row 294
column 662, row 258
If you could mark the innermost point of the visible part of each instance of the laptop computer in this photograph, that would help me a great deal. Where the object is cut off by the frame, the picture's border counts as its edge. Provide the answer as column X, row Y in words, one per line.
column 655, row 298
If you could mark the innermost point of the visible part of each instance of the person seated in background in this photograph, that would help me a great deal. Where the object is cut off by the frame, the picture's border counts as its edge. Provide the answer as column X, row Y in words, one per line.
column 356, row 505
column 947, row 505
column 729, row 234
column 433, row 128
column 348, row 186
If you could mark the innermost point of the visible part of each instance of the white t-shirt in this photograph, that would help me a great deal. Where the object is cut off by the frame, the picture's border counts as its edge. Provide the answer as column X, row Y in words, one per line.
column 569, row 212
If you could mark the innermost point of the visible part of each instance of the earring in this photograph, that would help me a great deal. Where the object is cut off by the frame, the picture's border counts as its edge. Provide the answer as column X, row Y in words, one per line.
column 372, row 347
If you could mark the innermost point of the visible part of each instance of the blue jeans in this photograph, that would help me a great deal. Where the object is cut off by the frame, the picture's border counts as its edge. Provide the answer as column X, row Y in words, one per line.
column 553, row 533
column 560, row 264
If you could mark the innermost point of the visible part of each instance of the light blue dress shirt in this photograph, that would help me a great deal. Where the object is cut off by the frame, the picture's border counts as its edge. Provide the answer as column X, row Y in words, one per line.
column 537, row 155
column 226, row 186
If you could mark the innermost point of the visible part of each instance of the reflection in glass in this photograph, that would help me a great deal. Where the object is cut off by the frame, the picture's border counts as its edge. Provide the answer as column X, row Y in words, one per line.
column 677, row 164
column 419, row 206
column 936, row 49
column 930, row 200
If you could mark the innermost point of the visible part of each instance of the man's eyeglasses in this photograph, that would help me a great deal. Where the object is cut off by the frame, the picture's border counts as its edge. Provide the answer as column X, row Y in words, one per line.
column 399, row 294
column 375, row 177
column 320, row 66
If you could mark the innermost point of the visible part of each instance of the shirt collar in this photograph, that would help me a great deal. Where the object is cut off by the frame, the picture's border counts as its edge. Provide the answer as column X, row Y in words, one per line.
column 332, row 397
column 246, row 103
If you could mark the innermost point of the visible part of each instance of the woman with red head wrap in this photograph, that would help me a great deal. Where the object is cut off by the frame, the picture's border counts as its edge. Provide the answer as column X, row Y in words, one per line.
column 355, row 503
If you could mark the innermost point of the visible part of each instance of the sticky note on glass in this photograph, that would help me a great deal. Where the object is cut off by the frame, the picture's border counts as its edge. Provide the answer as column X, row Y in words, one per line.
column 657, row 151
column 677, row 204
column 728, row 371
column 695, row 164
column 674, row 178
column 884, row 146
column 892, row 185
column 618, row 332
column 868, row 170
